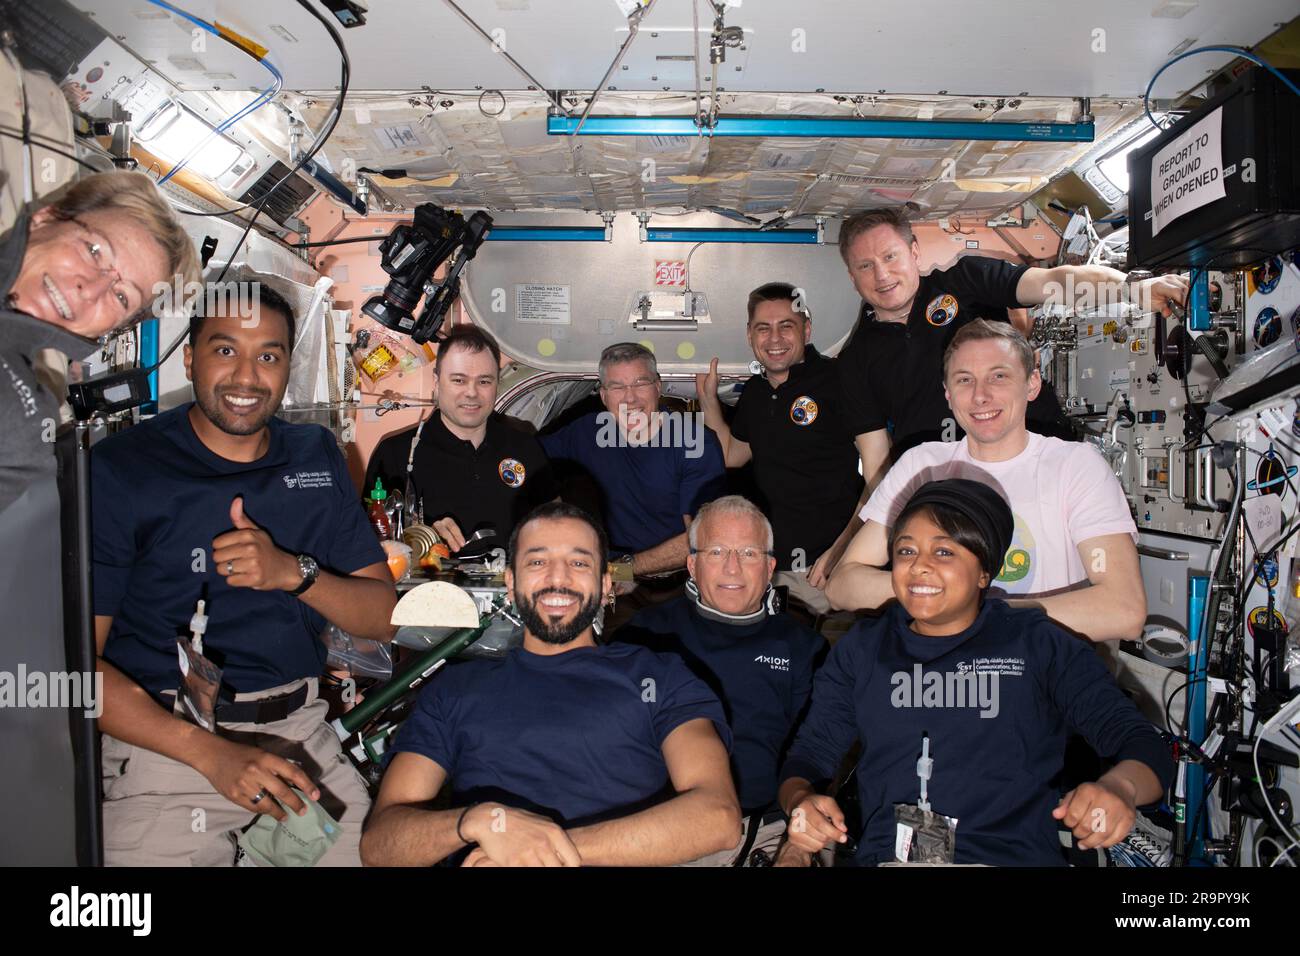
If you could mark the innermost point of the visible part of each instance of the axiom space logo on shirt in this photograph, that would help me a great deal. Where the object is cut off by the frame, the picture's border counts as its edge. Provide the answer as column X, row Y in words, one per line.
column 309, row 479
column 776, row 663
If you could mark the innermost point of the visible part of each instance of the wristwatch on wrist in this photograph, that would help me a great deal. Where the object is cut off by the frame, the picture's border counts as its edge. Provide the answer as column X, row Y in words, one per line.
column 620, row 569
column 310, row 571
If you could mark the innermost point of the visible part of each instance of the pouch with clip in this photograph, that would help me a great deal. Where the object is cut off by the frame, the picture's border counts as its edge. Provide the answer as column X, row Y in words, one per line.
column 200, row 681
column 923, row 836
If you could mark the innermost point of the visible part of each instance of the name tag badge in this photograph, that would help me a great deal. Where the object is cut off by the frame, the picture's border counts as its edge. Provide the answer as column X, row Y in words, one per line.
column 923, row 836
column 196, row 700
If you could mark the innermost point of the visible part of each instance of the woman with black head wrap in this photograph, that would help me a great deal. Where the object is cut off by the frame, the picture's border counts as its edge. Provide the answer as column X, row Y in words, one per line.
column 962, row 705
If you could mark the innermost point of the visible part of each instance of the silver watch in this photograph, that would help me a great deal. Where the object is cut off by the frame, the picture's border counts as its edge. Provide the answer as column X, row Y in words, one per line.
column 310, row 571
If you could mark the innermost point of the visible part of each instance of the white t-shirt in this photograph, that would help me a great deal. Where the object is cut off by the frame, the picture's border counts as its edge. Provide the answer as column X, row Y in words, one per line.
column 1061, row 493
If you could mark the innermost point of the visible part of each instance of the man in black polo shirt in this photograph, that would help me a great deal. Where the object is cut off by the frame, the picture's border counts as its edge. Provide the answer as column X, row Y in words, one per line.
column 793, row 423
column 222, row 502
column 473, row 468
column 759, row 663
column 892, row 365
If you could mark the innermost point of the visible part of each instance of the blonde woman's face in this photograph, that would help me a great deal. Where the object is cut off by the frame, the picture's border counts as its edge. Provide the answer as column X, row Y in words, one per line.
column 88, row 276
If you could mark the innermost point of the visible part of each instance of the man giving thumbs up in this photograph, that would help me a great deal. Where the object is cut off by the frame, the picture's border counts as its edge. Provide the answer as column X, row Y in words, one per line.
column 221, row 501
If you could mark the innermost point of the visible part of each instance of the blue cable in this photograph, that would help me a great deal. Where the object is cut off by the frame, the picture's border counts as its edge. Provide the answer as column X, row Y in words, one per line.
column 187, row 16
column 266, row 96
column 263, row 98
column 1246, row 54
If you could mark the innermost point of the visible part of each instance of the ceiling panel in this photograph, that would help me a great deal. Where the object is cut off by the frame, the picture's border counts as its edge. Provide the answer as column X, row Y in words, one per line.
column 1039, row 47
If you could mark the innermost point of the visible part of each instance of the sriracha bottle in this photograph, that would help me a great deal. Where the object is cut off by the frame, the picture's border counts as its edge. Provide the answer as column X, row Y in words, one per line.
column 375, row 511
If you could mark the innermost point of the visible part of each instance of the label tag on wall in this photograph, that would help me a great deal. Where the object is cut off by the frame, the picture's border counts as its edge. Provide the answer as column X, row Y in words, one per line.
column 1263, row 516
column 1188, row 173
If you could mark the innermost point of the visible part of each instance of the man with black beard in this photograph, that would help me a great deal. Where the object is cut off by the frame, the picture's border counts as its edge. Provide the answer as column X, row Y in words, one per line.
column 565, row 752
column 222, row 502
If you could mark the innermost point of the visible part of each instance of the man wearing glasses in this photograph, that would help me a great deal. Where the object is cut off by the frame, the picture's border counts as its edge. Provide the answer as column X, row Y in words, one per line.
column 654, row 470
column 759, row 663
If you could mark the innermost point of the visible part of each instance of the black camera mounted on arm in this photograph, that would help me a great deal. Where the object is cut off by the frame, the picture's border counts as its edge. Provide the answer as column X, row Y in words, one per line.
column 411, row 254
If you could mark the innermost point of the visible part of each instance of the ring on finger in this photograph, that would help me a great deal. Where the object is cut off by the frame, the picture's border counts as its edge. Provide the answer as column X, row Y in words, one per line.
column 230, row 567
column 257, row 798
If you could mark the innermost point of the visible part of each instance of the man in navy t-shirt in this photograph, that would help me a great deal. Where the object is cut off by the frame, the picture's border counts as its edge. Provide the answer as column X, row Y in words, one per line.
column 759, row 661
column 654, row 470
column 220, row 501
column 564, row 753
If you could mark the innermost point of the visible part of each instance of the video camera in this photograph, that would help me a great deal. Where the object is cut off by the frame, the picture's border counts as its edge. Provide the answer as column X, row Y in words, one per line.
column 410, row 255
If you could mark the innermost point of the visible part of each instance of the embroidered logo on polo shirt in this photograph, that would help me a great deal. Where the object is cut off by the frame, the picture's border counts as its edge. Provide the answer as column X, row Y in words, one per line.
column 941, row 310
column 803, row 411
column 776, row 663
column 309, row 479
column 511, row 472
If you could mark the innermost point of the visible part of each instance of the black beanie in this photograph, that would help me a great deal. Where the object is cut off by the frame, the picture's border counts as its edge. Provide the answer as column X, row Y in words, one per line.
column 981, row 504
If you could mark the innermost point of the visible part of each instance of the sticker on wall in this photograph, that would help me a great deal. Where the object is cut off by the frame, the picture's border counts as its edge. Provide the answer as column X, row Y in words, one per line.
column 1267, row 275
column 1258, row 617
column 1268, row 327
column 671, row 272
column 1266, row 572
column 1271, row 474
column 542, row 304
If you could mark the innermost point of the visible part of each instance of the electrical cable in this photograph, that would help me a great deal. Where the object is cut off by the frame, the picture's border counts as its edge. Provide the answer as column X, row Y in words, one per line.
column 1246, row 54
column 336, row 242
column 265, row 97
column 1281, row 853
column 40, row 141
column 1282, row 714
column 1169, row 720
column 326, row 131
column 346, row 74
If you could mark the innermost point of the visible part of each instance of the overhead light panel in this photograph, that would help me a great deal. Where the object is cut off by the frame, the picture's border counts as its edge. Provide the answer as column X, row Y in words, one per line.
column 172, row 133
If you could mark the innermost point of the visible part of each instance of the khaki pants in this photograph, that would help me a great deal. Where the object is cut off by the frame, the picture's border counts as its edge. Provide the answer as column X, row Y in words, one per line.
column 768, row 838
column 801, row 592
column 160, row 812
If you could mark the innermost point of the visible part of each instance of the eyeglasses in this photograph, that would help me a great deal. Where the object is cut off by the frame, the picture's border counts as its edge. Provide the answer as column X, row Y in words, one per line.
column 99, row 256
column 718, row 555
column 618, row 388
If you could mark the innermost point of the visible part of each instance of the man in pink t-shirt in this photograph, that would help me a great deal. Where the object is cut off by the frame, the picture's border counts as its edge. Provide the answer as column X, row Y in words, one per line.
column 1074, row 550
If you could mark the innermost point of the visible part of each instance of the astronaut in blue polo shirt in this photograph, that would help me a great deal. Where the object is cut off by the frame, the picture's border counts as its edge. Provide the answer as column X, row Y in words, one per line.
column 565, row 752
column 759, row 660
column 222, row 502
column 654, row 468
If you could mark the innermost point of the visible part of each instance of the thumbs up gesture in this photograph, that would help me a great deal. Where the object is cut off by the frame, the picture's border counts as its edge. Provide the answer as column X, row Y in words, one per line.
column 248, row 558
column 706, row 384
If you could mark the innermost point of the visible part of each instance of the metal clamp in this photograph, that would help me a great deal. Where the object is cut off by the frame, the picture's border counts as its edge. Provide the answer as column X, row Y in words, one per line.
column 1205, row 478
column 1170, row 471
